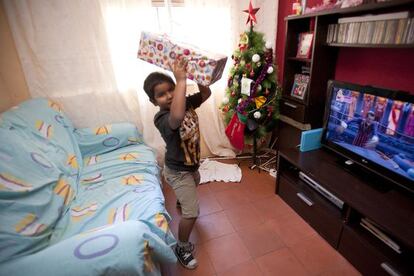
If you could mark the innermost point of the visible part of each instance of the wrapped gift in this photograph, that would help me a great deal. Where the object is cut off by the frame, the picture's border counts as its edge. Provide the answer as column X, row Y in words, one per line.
column 203, row 67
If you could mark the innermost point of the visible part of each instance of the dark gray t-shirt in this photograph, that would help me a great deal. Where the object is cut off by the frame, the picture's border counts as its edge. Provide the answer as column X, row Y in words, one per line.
column 183, row 143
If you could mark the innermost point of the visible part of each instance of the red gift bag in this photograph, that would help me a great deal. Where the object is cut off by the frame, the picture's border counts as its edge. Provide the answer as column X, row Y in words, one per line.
column 235, row 130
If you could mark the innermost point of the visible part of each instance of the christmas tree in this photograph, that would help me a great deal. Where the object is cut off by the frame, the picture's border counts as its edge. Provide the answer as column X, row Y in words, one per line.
column 251, row 102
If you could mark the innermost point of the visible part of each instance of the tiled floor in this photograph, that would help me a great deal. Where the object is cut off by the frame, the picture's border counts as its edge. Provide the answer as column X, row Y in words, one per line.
column 245, row 229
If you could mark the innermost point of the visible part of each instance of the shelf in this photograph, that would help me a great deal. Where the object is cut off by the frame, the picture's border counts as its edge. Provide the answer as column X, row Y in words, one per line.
column 390, row 46
column 359, row 9
column 293, row 99
column 307, row 60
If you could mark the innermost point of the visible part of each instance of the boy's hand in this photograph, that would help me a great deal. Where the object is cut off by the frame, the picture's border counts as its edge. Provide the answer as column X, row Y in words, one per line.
column 179, row 69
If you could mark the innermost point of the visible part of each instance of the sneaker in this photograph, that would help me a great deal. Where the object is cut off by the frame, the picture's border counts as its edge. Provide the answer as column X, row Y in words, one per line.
column 178, row 204
column 185, row 256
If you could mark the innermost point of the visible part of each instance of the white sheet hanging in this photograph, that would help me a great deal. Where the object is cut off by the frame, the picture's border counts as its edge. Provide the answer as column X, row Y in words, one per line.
column 211, row 170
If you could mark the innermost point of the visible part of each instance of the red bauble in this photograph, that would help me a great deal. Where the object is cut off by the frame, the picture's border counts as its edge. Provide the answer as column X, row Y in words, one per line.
column 252, row 74
column 233, row 93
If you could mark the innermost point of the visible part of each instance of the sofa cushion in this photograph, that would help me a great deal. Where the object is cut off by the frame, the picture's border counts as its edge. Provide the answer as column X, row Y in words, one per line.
column 44, row 122
column 39, row 171
column 127, row 248
column 94, row 141
column 116, row 186
column 33, row 194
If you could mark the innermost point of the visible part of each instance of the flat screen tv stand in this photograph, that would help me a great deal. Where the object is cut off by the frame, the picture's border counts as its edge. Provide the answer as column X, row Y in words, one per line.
column 372, row 225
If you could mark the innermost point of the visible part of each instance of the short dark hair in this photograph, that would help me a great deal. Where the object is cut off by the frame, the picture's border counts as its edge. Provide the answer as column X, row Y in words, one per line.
column 154, row 79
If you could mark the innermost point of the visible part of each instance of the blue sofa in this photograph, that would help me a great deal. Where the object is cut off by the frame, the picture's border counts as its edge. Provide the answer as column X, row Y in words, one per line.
column 78, row 201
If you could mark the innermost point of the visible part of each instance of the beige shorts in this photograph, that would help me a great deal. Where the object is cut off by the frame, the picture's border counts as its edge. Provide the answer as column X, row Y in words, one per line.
column 184, row 185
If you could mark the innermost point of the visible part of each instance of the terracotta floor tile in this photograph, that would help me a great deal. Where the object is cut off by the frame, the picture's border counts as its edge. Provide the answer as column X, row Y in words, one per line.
column 209, row 205
column 204, row 268
column 231, row 198
column 226, row 252
column 258, row 191
column 317, row 255
column 252, row 177
column 248, row 268
column 280, row 262
column 260, row 239
column 216, row 187
column 244, row 215
column 214, row 226
column 272, row 207
column 292, row 229
column 345, row 269
column 204, row 189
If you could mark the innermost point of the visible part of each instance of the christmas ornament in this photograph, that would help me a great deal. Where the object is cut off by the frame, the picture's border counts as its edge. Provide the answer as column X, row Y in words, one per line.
column 257, row 115
column 270, row 70
column 244, row 39
column 239, row 100
column 225, row 100
column 259, row 88
column 245, row 89
column 235, row 130
column 252, row 14
column 252, row 125
column 255, row 58
column 259, row 101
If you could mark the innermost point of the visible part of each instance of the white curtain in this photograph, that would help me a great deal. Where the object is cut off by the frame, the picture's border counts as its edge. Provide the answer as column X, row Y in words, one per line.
column 82, row 53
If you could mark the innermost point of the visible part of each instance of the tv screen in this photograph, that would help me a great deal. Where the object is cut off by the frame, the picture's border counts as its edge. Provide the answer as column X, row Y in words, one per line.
column 373, row 127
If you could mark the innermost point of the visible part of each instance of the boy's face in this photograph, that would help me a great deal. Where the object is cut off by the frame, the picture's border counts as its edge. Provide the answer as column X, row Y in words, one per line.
column 163, row 95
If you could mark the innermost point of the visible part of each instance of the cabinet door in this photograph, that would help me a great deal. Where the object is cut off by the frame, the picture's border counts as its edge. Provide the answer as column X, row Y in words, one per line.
column 322, row 215
column 293, row 110
column 368, row 258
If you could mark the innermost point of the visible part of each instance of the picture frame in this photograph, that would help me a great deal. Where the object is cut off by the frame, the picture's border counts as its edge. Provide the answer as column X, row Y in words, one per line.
column 305, row 45
column 300, row 86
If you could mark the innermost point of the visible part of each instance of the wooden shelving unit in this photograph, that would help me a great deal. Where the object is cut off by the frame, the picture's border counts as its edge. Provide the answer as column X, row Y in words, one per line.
column 390, row 208
column 323, row 59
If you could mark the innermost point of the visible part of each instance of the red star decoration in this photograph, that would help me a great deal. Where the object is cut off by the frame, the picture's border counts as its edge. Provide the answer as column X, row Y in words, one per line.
column 252, row 14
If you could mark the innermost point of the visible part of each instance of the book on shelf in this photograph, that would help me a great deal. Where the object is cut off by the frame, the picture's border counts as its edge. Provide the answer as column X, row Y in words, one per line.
column 305, row 45
column 402, row 24
column 390, row 31
column 374, row 229
column 377, row 17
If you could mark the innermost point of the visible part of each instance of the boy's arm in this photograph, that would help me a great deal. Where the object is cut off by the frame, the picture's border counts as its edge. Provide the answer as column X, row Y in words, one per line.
column 205, row 92
column 177, row 109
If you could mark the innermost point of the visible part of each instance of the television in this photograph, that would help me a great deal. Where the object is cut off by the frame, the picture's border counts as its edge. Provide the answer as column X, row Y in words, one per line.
column 372, row 128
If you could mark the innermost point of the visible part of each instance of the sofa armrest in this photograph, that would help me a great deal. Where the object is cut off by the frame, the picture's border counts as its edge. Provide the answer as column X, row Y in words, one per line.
column 127, row 248
column 93, row 141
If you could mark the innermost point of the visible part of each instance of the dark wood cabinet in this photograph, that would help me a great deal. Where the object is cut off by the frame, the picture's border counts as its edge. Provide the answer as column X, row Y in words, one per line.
column 363, row 196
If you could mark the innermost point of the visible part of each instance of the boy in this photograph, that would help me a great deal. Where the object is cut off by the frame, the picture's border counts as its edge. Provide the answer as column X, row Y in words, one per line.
column 178, row 125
